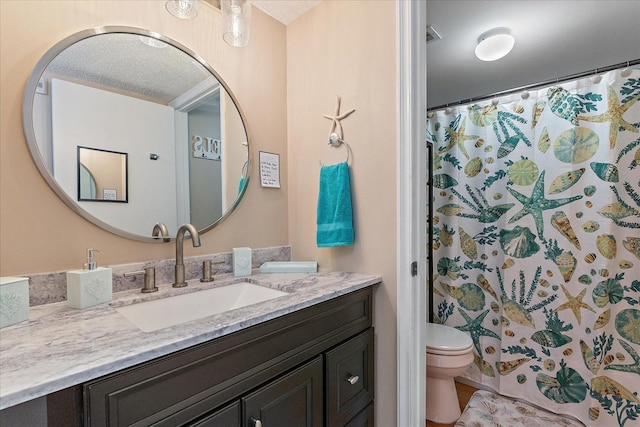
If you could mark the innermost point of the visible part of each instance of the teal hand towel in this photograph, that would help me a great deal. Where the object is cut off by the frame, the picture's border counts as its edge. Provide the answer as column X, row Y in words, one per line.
column 334, row 216
column 241, row 185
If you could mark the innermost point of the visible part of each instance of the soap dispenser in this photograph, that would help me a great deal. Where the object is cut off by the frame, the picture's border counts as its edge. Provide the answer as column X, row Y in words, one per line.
column 90, row 286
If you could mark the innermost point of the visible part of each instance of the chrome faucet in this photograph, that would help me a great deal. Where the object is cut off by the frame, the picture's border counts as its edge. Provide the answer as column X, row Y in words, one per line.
column 160, row 230
column 195, row 238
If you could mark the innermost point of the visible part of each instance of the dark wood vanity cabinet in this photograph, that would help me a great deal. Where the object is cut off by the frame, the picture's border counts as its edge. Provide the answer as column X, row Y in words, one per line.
column 313, row 367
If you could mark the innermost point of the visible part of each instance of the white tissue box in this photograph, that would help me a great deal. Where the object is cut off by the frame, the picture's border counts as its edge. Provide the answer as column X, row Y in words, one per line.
column 89, row 287
column 14, row 300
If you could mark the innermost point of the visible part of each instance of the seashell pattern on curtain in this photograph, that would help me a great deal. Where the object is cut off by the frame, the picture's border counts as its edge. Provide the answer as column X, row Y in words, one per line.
column 536, row 239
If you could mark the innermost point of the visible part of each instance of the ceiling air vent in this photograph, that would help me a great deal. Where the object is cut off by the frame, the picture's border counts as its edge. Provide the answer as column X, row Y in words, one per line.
column 432, row 34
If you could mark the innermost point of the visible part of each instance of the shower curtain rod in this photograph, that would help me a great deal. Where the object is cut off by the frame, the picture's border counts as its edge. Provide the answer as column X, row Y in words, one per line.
column 537, row 85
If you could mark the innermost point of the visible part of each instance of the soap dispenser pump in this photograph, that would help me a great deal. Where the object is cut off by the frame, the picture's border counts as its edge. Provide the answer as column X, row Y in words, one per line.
column 90, row 286
column 90, row 264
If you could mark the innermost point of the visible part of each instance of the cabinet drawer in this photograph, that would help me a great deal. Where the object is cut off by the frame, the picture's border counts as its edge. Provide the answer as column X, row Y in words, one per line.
column 349, row 378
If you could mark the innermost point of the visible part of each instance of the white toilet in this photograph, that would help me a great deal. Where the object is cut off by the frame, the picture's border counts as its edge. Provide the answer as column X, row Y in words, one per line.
column 449, row 354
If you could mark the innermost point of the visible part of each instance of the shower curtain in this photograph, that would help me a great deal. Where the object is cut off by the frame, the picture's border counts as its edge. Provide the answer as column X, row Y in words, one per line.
column 536, row 239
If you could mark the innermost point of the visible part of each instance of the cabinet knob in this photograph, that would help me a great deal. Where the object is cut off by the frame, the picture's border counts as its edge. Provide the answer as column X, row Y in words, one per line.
column 255, row 423
column 352, row 379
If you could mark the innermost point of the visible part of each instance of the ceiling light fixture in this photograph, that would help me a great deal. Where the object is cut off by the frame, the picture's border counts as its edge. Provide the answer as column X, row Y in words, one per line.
column 494, row 44
column 236, row 18
column 183, row 9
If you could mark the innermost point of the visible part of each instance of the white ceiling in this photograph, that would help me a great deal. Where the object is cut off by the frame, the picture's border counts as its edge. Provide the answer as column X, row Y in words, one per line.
column 285, row 11
column 553, row 39
column 127, row 63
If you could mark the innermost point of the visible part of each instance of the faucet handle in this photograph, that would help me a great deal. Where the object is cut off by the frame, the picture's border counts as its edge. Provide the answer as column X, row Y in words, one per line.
column 206, row 270
column 149, row 279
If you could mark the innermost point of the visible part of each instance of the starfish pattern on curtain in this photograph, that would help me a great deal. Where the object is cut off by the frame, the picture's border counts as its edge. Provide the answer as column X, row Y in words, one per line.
column 536, row 238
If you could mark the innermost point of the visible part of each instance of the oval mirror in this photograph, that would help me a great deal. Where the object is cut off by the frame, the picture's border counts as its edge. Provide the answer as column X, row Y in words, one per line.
column 132, row 129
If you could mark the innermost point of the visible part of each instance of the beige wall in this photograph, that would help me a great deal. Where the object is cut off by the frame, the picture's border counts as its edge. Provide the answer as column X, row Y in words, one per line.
column 348, row 48
column 39, row 233
column 284, row 81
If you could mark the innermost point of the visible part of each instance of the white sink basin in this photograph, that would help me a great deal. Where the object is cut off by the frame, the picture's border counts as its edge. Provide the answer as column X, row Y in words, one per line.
column 157, row 314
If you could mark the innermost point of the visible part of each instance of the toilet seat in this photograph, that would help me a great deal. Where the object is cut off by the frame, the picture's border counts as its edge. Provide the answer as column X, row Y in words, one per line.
column 446, row 340
column 439, row 352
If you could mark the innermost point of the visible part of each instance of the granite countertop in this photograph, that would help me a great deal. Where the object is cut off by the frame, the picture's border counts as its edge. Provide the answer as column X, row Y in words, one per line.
column 59, row 347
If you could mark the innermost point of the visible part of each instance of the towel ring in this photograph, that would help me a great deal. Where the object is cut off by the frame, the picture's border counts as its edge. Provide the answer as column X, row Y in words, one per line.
column 335, row 141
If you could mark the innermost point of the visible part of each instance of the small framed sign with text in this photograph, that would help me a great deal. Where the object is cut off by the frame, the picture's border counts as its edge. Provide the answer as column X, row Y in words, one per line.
column 269, row 169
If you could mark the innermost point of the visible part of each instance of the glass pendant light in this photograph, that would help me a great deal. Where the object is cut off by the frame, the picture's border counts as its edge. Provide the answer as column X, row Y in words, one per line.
column 183, row 9
column 236, row 17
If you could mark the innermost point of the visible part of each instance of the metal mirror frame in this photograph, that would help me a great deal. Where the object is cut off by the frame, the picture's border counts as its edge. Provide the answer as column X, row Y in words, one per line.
column 27, row 124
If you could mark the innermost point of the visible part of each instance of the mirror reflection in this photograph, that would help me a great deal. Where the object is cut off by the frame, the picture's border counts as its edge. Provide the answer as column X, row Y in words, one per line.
column 175, row 134
column 102, row 175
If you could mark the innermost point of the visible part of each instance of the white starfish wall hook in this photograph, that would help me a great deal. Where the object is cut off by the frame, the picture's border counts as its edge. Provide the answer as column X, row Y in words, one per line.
column 335, row 138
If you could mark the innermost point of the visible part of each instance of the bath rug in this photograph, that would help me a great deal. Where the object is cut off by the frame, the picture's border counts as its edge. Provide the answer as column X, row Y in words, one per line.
column 487, row 409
